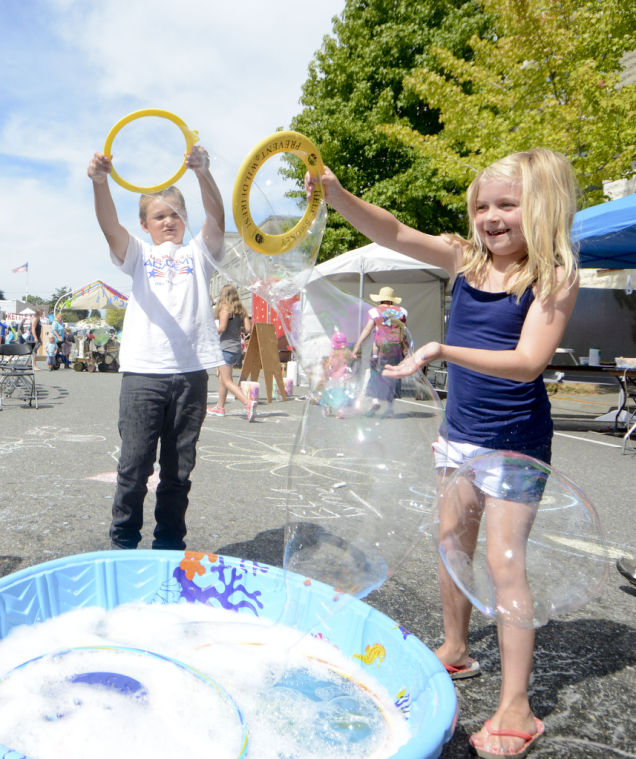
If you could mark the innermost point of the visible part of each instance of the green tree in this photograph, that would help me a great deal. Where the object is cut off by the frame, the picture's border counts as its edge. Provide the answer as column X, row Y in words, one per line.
column 115, row 318
column 36, row 300
column 68, row 314
column 55, row 297
column 355, row 85
column 548, row 75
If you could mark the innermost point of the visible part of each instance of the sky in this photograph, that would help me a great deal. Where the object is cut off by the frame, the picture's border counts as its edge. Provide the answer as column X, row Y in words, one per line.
column 71, row 69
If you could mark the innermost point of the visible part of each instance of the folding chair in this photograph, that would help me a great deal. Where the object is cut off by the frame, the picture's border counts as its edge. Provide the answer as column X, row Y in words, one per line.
column 437, row 374
column 17, row 378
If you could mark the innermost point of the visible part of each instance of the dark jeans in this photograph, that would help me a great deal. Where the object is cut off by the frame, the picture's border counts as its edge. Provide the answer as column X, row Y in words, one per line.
column 60, row 354
column 157, row 407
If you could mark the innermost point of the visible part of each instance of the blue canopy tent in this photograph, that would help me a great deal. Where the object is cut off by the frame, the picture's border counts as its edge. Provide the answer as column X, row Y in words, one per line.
column 605, row 317
column 606, row 234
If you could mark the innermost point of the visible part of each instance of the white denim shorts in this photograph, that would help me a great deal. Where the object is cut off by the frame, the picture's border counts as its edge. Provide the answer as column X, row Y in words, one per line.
column 511, row 476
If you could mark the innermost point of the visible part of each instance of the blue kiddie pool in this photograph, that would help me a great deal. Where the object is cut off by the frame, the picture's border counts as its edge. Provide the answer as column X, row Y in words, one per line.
column 406, row 669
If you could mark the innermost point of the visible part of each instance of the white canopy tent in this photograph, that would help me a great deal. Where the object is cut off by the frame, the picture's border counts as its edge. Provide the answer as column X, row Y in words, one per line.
column 365, row 270
column 335, row 296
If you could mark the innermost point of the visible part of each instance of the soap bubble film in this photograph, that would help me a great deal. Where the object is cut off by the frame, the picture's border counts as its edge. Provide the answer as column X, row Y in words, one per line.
column 362, row 484
column 521, row 540
column 280, row 229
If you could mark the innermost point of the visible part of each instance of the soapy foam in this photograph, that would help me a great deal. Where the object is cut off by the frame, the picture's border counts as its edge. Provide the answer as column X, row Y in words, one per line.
column 298, row 700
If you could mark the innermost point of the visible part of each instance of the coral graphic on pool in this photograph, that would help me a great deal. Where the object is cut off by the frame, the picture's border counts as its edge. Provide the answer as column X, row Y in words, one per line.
column 227, row 590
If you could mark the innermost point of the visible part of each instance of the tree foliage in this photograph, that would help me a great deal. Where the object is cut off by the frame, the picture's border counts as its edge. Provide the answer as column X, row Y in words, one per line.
column 548, row 75
column 115, row 318
column 355, row 85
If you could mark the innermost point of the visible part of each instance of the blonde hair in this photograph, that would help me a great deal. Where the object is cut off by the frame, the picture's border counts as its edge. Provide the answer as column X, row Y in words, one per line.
column 548, row 205
column 171, row 195
column 229, row 298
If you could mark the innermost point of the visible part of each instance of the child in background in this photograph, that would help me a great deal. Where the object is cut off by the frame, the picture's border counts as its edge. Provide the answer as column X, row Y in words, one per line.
column 515, row 285
column 51, row 353
column 57, row 330
column 334, row 396
column 232, row 321
column 169, row 342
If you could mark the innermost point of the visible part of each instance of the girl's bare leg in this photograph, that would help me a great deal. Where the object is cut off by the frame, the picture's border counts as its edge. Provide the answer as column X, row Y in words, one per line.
column 227, row 384
column 460, row 515
column 222, row 388
column 508, row 527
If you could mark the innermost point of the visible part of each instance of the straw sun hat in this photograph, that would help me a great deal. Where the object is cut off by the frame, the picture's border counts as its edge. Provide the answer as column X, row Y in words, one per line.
column 386, row 293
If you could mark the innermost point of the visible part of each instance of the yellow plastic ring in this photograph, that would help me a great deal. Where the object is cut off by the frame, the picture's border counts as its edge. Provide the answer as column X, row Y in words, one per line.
column 279, row 142
column 191, row 137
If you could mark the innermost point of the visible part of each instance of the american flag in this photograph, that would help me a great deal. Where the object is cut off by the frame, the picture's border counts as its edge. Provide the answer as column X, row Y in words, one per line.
column 20, row 269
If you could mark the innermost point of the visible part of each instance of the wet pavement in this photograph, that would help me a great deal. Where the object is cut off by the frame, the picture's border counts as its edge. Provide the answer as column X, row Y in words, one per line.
column 58, row 466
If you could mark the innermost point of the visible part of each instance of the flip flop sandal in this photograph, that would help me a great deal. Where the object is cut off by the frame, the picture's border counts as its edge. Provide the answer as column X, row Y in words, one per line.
column 528, row 741
column 470, row 668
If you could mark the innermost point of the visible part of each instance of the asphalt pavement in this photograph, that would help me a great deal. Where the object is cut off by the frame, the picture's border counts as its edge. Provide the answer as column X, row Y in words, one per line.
column 58, row 474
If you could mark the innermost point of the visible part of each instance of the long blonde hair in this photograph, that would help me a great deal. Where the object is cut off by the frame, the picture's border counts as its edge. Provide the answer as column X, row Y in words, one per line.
column 229, row 299
column 548, row 205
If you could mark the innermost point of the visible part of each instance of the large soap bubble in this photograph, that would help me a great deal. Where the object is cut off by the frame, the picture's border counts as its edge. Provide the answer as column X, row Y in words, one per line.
column 521, row 540
column 362, row 485
column 280, row 229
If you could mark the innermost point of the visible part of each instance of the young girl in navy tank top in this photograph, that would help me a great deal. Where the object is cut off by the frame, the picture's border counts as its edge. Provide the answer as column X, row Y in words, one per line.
column 515, row 285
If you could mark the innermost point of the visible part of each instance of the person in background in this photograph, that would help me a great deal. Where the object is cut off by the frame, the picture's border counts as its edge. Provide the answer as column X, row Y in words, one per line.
column 58, row 331
column 168, row 344
column 51, row 353
column 67, row 346
column 11, row 335
column 334, row 392
column 28, row 335
column 232, row 321
column 387, row 324
column 36, row 332
column 3, row 327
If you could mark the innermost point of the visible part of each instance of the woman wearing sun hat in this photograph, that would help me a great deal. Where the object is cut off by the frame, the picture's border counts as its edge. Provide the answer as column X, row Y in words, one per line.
column 387, row 323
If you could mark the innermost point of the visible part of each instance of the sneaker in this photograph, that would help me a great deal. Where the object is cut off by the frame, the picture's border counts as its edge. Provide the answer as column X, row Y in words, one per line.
column 251, row 410
column 375, row 407
column 216, row 411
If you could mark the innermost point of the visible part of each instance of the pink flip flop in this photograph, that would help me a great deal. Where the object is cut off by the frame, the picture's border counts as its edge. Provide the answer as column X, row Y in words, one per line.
column 470, row 668
column 528, row 741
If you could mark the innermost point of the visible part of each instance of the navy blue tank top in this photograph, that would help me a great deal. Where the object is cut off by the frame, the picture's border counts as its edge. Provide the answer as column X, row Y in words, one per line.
column 491, row 411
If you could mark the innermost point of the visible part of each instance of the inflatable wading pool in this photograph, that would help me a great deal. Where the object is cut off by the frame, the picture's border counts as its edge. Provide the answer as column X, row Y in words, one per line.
column 405, row 668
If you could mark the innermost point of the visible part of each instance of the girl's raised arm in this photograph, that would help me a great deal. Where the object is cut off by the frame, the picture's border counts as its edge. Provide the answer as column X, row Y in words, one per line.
column 382, row 227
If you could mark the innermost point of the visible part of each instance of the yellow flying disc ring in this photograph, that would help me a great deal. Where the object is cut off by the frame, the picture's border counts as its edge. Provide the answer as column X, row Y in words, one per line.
column 279, row 142
column 191, row 137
